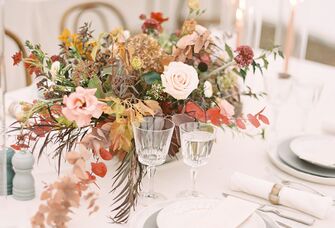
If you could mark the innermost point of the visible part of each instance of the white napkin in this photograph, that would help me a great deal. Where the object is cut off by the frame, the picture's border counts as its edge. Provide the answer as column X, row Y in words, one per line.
column 231, row 213
column 312, row 204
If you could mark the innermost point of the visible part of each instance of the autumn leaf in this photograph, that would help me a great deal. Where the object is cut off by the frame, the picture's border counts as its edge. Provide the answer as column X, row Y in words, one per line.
column 240, row 123
column 253, row 120
column 216, row 118
column 195, row 111
column 99, row 169
column 263, row 118
column 19, row 146
column 144, row 109
column 105, row 154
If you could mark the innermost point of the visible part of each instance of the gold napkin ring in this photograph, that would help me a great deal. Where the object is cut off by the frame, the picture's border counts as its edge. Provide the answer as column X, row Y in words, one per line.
column 274, row 194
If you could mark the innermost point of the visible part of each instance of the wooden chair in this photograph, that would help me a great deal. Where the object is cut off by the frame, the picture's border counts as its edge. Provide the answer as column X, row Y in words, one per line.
column 20, row 46
column 93, row 7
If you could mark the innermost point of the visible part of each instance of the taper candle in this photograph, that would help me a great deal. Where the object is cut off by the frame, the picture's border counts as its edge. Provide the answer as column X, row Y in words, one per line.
column 240, row 21
column 289, row 41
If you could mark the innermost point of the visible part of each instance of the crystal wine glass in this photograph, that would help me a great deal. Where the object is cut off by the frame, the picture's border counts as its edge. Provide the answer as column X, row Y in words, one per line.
column 152, row 141
column 278, row 92
column 307, row 94
column 197, row 140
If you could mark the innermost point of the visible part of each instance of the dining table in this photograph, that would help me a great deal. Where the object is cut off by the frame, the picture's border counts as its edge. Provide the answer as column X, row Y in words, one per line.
column 232, row 152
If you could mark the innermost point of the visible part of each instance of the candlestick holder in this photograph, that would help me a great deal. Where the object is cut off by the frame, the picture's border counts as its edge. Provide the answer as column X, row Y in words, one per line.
column 283, row 75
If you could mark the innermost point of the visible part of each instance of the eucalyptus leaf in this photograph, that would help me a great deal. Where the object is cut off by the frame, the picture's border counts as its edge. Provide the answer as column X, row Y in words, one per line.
column 95, row 82
column 151, row 77
column 229, row 51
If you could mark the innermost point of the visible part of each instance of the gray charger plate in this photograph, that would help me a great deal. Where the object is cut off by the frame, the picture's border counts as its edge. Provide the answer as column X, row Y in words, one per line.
column 150, row 222
column 289, row 158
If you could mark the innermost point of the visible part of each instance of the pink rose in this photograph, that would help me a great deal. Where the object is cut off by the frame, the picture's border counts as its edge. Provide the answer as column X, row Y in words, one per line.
column 226, row 108
column 81, row 106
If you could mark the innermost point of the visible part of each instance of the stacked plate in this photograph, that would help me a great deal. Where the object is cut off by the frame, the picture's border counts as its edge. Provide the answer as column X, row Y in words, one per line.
column 190, row 213
column 309, row 157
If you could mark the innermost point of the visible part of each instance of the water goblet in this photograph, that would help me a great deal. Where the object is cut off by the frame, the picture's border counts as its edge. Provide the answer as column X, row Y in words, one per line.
column 197, row 140
column 152, row 141
column 307, row 94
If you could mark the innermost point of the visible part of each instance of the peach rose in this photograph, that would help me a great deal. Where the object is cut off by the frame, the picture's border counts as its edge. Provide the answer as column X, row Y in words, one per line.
column 179, row 80
column 81, row 106
column 226, row 108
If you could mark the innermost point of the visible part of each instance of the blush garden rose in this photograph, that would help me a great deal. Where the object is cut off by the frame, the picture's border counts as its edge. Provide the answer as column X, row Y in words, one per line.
column 179, row 80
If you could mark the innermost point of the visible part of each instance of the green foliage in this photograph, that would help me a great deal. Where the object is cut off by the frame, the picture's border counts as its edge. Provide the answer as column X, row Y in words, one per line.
column 229, row 51
column 151, row 77
column 95, row 82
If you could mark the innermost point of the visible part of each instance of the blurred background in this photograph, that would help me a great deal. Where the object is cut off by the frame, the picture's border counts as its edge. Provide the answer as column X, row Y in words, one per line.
column 41, row 21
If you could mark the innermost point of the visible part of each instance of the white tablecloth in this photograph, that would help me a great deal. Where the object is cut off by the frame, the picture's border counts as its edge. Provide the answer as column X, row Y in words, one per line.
column 230, row 154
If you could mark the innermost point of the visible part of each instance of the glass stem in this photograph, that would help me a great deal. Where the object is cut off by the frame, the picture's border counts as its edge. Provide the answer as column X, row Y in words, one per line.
column 194, row 173
column 151, row 174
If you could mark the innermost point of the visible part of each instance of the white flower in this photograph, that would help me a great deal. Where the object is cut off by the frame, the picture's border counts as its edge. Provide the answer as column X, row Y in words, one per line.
column 179, row 80
column 54, row 69
column 208, row 89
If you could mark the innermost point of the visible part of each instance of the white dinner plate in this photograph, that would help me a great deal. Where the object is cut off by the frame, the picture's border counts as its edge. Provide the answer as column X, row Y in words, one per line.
column 275, row 159
column 316, row 149
column 147, row 217
column 193, row 213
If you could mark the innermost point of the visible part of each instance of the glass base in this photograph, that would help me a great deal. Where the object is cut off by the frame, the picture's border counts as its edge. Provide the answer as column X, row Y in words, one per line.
column 149, row 198
column 190, row 194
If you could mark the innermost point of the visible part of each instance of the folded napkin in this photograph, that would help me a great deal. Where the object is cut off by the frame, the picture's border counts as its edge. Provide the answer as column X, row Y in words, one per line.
column 310, row 203
column 231, row 213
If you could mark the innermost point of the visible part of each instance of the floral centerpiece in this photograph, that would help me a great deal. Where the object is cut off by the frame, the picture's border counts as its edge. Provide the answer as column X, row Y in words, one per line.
column 95, row 88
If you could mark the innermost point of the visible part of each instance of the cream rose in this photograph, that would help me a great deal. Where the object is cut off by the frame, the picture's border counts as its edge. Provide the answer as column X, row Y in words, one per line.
column 179, row 80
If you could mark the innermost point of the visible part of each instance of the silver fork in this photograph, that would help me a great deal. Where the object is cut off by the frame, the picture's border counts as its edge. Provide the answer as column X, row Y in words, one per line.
column 270, row 209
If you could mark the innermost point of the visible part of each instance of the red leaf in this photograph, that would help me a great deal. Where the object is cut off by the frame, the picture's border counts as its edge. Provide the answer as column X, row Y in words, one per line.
column 19, row 146
column 216, row 117
column 264, row 119
column 99, row 169
column 195, row 111
column 240, row 123
column 105, row 154
column 253, row 120
column 91, row 177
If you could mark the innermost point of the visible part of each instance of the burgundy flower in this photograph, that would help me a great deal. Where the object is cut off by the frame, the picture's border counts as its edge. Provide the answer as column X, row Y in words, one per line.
column 55, row 58
column 151, row 24
column 245, row 56
column 154, row 23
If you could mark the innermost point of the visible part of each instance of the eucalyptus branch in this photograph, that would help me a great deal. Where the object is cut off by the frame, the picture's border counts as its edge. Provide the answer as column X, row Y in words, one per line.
column 218, row 70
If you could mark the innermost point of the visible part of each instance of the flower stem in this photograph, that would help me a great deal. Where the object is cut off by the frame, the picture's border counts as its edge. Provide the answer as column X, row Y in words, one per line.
column 218, row 70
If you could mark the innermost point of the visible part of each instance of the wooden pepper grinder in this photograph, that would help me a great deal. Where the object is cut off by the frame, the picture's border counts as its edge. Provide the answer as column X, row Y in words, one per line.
column 23, row 182
column 10, row 172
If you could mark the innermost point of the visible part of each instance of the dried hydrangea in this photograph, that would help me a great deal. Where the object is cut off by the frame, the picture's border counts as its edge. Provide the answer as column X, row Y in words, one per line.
column 151, row 55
